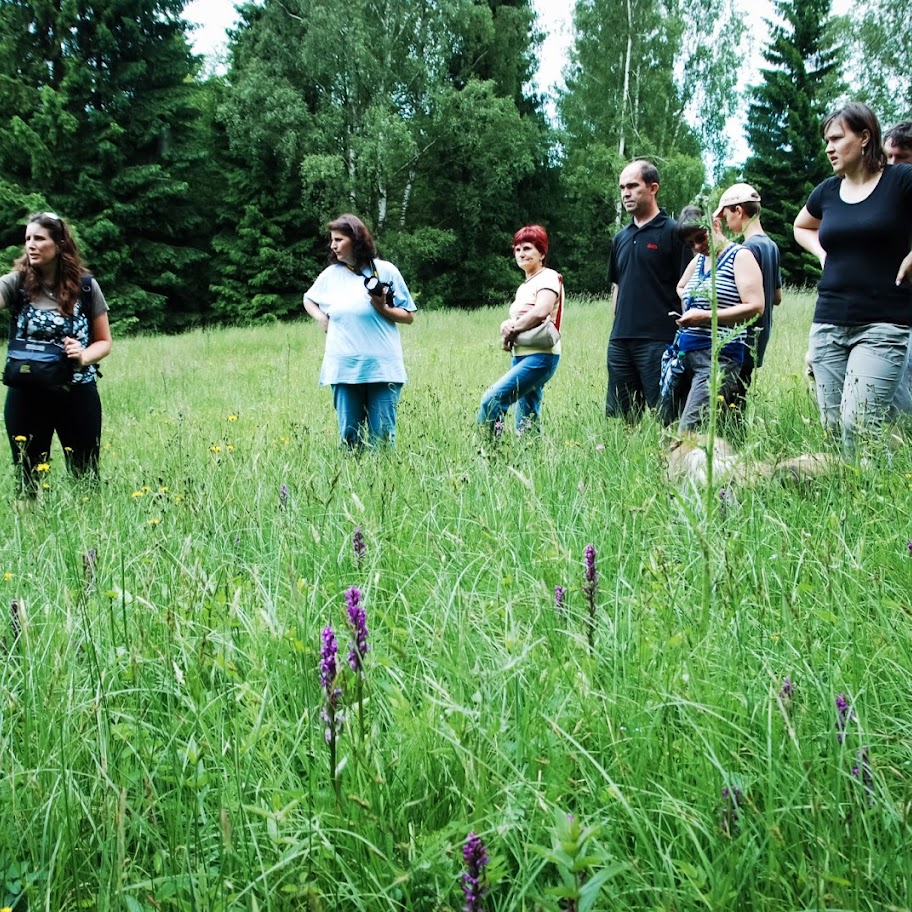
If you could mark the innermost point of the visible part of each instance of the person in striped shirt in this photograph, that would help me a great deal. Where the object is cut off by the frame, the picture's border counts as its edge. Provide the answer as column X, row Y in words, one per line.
column 730, row 272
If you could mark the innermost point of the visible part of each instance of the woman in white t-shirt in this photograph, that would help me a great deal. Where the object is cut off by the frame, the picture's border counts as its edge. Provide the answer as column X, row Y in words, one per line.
column 359, row 300
column 538, row 300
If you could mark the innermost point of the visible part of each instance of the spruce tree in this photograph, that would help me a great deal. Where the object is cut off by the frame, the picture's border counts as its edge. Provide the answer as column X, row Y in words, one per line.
column 801, row 83
column 101, row 122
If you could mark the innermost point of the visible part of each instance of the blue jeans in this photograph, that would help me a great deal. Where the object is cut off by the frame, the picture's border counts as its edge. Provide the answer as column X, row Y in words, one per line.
column 521, row 384
column 857, row 371
column 371, row 404
column 634, row 366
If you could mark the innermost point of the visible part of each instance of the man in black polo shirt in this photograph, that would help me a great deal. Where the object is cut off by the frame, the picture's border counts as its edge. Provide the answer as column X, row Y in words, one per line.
column 647, row 259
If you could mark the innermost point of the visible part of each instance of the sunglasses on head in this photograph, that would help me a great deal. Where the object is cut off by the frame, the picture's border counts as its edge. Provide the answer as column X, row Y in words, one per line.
column 46, row 215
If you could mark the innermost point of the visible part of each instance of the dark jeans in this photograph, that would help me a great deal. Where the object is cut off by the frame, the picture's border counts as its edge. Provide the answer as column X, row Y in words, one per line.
column 634, row 366
column 35, row 415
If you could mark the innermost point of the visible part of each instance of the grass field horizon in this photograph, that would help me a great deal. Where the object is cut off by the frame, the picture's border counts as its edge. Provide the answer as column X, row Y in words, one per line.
column 729, row 728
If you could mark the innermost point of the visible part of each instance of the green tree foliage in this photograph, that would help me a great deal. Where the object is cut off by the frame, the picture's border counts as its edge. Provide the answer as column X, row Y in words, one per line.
column 800, row 84
column 641, row 71
column 411, row 115
column 881, row 57
column 100, row 121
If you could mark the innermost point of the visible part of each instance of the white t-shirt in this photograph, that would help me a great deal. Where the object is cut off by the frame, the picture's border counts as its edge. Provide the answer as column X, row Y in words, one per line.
column 361, row 346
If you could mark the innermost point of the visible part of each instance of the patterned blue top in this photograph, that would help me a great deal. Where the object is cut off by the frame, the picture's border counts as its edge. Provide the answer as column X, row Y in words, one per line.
column 41, row 321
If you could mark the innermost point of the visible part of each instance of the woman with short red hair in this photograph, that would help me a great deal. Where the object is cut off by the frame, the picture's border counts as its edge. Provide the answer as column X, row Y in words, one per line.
column 532, row 333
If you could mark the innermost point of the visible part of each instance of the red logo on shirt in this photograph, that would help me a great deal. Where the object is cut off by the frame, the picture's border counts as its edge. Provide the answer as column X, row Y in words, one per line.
column 652, row 246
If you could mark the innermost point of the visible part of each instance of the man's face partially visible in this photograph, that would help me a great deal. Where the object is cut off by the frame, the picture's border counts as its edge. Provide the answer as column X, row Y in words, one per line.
column 897, row 155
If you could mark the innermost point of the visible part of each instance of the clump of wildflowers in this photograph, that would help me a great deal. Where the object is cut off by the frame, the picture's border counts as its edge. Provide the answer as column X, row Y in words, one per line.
column 359, row 546
column 283, row 495
column 332, row 713
column 590, row 587
column 560, row 596
column 787, row 691
column 729, row 813
column 843, row 716
column 357, row 621
column 474, row 888
column 357, row 647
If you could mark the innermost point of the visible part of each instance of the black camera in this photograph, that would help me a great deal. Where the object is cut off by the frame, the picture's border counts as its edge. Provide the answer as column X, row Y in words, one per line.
column 375, row 287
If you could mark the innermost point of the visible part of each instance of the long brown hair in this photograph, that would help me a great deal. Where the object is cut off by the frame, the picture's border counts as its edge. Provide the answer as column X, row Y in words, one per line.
column 67, row 281
column 363, row 246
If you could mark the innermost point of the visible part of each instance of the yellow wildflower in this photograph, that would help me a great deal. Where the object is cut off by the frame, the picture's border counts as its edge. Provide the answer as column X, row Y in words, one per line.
column 45, row 487
column 138, row 494
column 232, row 417
column 7, row 576
column 155, row 521
column 19, row 438
column 163, row 489
column 43, row 467
column 215, row 448
column 229, row 447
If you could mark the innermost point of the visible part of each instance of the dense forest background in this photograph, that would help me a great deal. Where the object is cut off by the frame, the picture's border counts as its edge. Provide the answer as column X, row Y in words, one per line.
column 201, row 197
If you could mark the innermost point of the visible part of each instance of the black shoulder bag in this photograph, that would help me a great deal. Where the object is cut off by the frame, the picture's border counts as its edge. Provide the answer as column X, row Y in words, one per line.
column 40, row 365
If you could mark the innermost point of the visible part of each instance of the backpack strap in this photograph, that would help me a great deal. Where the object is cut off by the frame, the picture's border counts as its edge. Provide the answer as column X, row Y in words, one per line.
column 85, row 300
column 16, row 310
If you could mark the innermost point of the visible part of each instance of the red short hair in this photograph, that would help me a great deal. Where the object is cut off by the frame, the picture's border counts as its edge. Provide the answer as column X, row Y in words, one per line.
column 535, row 235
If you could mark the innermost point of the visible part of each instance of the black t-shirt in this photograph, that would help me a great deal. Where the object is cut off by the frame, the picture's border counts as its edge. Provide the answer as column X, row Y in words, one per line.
column 646, row 264
column 864, row 242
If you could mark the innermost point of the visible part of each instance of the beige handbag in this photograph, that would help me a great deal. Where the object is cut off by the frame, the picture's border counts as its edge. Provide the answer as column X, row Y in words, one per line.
column 542, row 337
column 546, row 335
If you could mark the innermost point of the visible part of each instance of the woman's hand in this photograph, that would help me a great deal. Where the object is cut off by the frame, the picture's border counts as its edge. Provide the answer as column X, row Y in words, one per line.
column 807, row 233
column 98, row 348
column 905, row 270
column 696, row 316
column 313, row 309
column 393, row 314
column 74, row 350
column 507, row 335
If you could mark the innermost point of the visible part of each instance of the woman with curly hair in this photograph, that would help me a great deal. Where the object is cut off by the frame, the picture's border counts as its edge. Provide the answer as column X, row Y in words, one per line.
column 359, row 300
column 53, row 300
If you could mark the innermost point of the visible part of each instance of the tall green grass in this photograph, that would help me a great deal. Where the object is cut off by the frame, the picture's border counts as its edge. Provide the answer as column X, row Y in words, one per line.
column 160, row 727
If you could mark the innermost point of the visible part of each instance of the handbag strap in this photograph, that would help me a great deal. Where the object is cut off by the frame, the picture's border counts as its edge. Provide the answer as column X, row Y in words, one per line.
column 560, row 302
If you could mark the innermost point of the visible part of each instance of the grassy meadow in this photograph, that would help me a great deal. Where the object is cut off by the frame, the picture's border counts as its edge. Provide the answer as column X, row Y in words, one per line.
column 160, row 698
